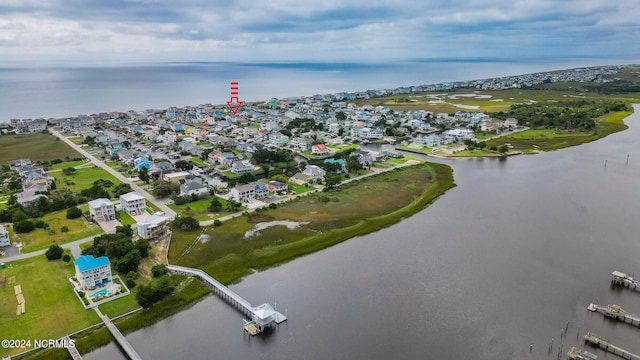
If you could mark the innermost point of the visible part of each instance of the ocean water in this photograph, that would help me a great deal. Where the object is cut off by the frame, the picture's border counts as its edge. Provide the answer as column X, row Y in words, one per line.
column 69, row 90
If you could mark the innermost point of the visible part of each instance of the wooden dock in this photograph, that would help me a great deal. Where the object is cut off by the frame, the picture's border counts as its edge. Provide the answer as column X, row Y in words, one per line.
column 75, row 355
column 596, row 340
column 619, row 278
column 261, row 316
column 617, row 313
column 120, row 339
column 579, row 354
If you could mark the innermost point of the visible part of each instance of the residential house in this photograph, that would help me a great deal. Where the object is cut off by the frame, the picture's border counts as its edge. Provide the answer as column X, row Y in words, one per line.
column 241, row 167
column 141, row 162
column 92, row 272
column 319, row 149
column 154, row 227
column 28, row 197
column 175, row 177
column 242, row 193
column 277, row 186
column 342, row 165
column 4, row 237
column 133, row 203
column 102, row 210
column 260, row 189
column 511, row 122
column 315, row 171
column 193, row 187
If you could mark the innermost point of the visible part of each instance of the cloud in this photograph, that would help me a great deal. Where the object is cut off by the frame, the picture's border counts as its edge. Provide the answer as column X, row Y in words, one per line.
column 284, row 29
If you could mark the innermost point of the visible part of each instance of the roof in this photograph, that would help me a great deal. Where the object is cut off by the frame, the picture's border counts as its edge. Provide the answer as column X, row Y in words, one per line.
column 176, row 174
column 155, row 219
column 88, row 262
column 100, row 202
column 264, row 312
column 131, row 196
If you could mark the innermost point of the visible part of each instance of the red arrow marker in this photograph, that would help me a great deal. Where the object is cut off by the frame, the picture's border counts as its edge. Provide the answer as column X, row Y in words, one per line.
column 234, row 103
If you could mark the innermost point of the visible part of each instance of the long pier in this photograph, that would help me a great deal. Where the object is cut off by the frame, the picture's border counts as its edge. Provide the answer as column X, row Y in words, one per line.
column 75, row 355
column 120, row 339
column 597, row 341
column 261, row 316
column 619, row 278
column 617, row 313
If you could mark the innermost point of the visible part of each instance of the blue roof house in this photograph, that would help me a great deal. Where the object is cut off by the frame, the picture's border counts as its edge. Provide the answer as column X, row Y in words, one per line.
column 141, row 162
column 92, row 272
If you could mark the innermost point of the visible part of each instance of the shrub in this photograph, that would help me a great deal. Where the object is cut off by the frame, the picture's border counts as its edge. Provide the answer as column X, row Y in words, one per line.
column 54, row 252
column 217, row 222
column 158, row 270
column 23, row 226
column 65, row 228
column 74, row 213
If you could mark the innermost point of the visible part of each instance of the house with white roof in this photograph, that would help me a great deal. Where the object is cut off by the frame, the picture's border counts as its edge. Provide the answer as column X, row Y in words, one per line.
column 92, row 272
column 133, row 203
column 4, row 237
column 243, row 193
column 154, row 227
column 102, row 210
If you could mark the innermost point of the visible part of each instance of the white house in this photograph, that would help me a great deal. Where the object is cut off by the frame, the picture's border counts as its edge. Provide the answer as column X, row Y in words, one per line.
column 315, row 171
column 241, row 167
column 153, row 227
column 242, row 193
column 91, row 272
column 102, row 210
column 4, row 237
column 193, row 187
column 260, row 189
column 133, row 203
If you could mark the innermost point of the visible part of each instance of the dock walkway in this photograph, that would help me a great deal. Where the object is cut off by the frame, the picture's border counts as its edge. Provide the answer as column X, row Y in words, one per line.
column 75, row 355
column 617, row 313
column 120, row 339
column 597, row 341
column 261, row 316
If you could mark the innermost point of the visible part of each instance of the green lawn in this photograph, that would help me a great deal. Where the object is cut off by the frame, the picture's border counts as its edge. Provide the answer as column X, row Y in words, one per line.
column 77, row 140
column 356, row 208
column 42, row 147
column 125, row 218
column 39, row 239
column 120, row 306
column 299, row 189
column 476, row 153
column 198, row 209
column 83, row 178
column 550, row 139
column 67, row 164
column 52, row 308
column 197, row 160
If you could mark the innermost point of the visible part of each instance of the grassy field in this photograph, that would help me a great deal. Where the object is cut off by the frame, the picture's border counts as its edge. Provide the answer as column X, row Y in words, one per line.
column 324, row 219
column 83, row 178
column 549, row 139
column 120, row 306
column 125, row 218
column 39, row 239
column 52, row 308
column 198, row 209
column 43, row 147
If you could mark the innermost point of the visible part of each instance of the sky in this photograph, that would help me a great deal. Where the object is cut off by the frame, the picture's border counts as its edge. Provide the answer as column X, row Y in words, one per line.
column 113, row 31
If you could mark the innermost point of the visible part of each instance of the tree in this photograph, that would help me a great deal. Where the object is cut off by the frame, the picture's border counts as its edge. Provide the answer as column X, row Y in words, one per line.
column 215, row 204
column 165, row 189
column 143, row 174
column 23, row 226
column 74, row 213
column 340, row 115
column 121, row 189
column 503, row 149
column 332, row 181
column 186, row 223
column 184, row 165
column 128, row 262
column 482, row 145
column 125, row 230
column 66, row 258
column 142, row 245
column 232, row 205
column 64, row 229
column 158, row 270
column 54, row 253
column 246, row 178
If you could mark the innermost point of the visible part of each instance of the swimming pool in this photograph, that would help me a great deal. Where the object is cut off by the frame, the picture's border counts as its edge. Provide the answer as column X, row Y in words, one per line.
column 99, row 293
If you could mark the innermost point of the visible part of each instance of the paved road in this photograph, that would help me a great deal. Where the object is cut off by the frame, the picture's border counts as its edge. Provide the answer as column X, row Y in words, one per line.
column 167, row 210
column 74, row 246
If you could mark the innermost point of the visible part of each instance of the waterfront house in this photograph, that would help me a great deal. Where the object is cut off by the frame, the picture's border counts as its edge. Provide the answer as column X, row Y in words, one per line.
column 92, row 272
column 133, row 203
column 242, row 193
column 277, row 186
column 154, row 227
column 314, row 171
column 102, row 210
column 432, row 141
column 4, row 237
column 260, row 189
